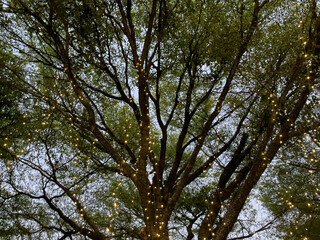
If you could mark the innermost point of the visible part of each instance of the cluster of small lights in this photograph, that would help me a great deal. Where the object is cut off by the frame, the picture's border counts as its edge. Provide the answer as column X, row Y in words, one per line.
column 115, row 212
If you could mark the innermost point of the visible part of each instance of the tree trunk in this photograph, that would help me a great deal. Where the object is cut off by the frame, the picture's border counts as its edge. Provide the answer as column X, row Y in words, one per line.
column 155, row 232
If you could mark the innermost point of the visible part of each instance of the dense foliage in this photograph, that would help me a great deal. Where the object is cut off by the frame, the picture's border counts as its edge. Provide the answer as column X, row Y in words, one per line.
column 156, row 119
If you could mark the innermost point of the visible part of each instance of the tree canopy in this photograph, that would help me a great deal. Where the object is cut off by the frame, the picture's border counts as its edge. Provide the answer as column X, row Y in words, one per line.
column 157, row 119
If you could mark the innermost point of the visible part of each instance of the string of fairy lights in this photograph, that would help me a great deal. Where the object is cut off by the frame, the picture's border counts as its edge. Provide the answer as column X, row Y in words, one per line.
column 309, row 146
column 310, row 155
column 110, row 229
column 313, row 158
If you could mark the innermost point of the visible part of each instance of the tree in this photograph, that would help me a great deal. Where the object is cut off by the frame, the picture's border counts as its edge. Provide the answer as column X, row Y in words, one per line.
column 150, row 119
